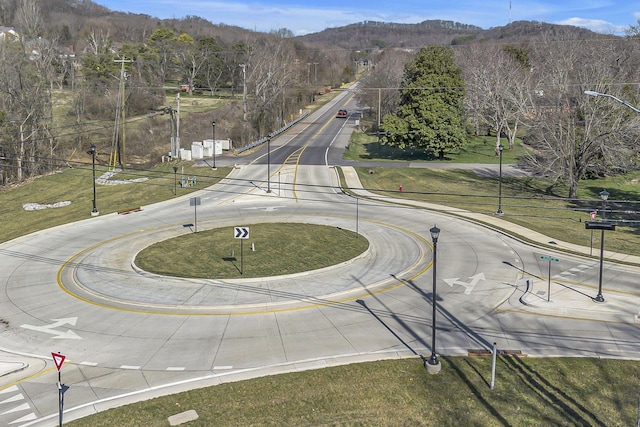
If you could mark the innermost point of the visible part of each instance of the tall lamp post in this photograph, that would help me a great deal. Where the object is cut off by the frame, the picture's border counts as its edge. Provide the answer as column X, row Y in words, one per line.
column 92, row 151
column 433, row 364
column 499, row 212
column 213, row 125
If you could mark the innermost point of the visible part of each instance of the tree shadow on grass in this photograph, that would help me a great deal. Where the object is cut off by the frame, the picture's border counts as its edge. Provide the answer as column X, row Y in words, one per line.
column 374, row 150
column 568, row 407
column 621, row 208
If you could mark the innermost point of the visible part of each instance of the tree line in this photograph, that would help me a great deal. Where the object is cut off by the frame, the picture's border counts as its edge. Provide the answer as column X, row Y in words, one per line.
column 264, row 80
column 534, row 90
column 430, row 98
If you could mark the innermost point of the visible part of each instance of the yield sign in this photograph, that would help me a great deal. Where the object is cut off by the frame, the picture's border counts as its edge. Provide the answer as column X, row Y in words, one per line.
column 241, row 232
column 58, row 359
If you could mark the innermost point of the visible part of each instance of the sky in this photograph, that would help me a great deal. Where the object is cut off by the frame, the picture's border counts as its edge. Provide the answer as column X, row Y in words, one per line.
column 304, row 16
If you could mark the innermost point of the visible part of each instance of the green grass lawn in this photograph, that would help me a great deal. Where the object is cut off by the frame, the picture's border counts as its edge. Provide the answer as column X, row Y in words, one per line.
column 527, row 392
column 531, row 202
column 75, row 185
column 279, row 249
column 481, row 149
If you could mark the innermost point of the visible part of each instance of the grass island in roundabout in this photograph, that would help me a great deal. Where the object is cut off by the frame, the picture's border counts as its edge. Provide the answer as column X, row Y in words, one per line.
column 272, row 249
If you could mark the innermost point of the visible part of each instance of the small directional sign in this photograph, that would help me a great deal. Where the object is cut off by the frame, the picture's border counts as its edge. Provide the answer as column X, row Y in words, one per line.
column 549, row 258
column 241, row 232
column 601, row 225
column 58, row 359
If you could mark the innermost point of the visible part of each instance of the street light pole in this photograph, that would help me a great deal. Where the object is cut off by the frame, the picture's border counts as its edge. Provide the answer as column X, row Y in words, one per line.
column 433, row 364
column 604, row 195
column 92, row 151
column 213, row 124
column 606, row 95
column 499, row 212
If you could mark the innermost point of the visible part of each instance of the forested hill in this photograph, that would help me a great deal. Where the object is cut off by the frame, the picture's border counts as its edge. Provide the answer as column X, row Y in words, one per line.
column 371, row 34
column 70, row 21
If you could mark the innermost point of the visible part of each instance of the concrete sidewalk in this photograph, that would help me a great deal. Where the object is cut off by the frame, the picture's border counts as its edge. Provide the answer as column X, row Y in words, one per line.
column 493, row 221
column 556, row 299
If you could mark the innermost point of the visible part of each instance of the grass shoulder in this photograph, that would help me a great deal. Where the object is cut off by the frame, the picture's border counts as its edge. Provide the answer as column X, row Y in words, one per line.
column 399, row 392
column 74, row 185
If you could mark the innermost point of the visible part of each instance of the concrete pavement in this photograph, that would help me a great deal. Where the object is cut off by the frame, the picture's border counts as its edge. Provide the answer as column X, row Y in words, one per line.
column 559, row 301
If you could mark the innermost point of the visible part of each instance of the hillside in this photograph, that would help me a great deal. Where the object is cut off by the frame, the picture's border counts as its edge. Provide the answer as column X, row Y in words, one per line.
column 70, row 21
column 372, row 35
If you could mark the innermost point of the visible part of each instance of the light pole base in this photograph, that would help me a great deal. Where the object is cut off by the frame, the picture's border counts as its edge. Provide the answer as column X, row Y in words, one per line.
column 598, row 298
column 499, row 212
column 95, row 213
column 432, row 368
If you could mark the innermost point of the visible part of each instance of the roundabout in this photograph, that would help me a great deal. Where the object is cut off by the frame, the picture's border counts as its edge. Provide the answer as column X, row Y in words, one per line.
column 105, row 274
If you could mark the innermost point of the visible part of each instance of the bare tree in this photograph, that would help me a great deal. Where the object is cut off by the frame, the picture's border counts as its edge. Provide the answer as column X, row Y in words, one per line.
column 573, row 135
column 30, row 19
column 495, row 76
column 25, row 96
column 379, row 90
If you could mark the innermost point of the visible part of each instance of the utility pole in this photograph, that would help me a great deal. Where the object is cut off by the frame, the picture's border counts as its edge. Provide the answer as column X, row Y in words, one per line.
column 244, row 92
column 118, row 148
column 178, row 126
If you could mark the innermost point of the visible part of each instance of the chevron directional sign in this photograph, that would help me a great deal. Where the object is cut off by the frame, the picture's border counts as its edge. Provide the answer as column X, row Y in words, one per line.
column 241, row 232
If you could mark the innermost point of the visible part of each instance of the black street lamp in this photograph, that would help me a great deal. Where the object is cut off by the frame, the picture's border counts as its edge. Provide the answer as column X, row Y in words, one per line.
column 433, row 364
column 92, row 151
column 269, row 164
column 213, row 124
column 499, row 212
column 604, row 195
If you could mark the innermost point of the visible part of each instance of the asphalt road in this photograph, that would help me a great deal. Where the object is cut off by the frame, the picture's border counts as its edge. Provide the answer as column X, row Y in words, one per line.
column 130, row 335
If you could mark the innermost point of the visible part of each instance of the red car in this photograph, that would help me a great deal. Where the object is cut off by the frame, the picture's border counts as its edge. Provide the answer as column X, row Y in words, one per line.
column 342, row 114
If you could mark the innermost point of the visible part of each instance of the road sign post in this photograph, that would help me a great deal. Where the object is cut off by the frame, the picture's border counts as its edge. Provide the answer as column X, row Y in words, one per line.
column 550, row 259
column 58, row 360
column 602, row 226
column 592, row 215
column 241, row 233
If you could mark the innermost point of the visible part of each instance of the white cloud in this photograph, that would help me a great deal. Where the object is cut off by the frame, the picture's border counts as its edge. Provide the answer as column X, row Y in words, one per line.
column 596, row 25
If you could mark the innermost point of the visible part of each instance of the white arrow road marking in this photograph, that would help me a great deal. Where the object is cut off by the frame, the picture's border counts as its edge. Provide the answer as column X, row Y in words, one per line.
column 51, row 329
column 468, row 285
column 267, row 209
